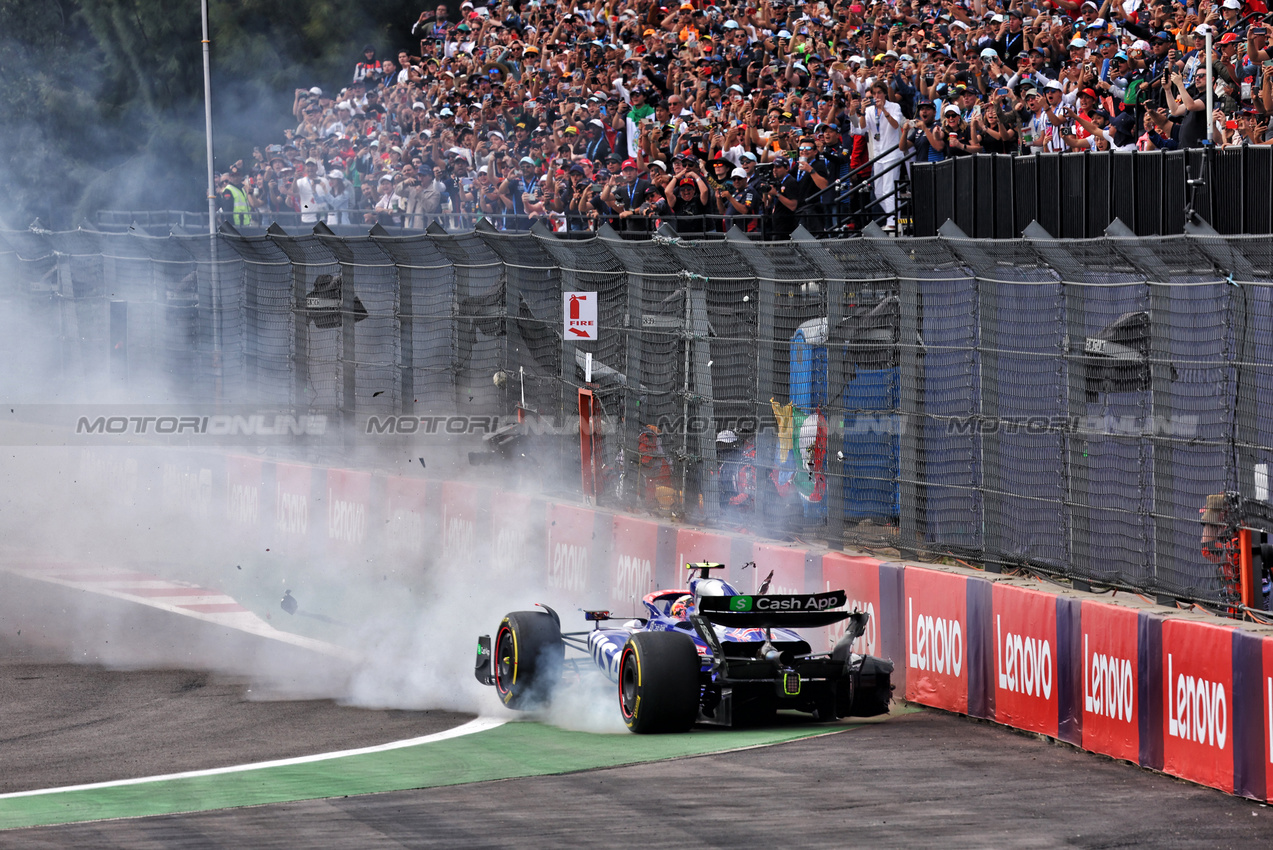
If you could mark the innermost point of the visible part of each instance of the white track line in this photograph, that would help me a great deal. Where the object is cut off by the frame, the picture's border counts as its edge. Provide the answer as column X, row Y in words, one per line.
column 116, row 584
column 481, row 724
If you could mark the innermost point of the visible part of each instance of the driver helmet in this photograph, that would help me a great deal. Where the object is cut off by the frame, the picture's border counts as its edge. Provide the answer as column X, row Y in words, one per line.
column 682, row 607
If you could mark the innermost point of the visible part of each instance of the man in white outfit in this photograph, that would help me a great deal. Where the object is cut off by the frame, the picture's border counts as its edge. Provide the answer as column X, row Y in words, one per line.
column 883, row 124
column 309, row 190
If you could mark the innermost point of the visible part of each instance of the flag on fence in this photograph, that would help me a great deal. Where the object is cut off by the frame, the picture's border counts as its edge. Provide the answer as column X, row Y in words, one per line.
column 801, row 453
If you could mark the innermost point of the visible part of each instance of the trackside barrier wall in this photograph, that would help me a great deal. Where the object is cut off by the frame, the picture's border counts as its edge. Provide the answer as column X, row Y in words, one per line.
column 1170, row 690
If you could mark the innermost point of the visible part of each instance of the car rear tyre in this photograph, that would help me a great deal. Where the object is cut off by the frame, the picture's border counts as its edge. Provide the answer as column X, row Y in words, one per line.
column 529, row 655
column 659, row 682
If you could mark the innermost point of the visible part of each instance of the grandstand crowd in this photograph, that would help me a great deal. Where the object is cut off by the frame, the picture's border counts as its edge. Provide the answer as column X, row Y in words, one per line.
column 763, row 115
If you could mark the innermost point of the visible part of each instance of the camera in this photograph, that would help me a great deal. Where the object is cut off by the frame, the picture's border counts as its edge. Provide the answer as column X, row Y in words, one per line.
column 764, row 187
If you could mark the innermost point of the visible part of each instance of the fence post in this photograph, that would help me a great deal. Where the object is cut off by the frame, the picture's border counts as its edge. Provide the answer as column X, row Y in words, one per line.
column 765, row 310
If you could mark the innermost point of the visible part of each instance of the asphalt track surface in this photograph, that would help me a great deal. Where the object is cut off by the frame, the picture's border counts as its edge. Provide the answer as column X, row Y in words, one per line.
column 925, row 779
column 70, row 724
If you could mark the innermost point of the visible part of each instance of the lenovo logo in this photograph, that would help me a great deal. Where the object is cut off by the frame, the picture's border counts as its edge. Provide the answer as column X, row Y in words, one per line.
column 1025, row 664
column 569, row 570
column 1197, row 709
column 935, row 644
column 1108, row 685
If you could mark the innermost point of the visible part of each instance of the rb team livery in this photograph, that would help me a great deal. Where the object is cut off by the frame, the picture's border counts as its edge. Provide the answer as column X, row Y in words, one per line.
column 708, row 654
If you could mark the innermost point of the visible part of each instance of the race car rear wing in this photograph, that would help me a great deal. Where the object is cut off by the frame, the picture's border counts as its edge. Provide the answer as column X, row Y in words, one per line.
column 785, row 611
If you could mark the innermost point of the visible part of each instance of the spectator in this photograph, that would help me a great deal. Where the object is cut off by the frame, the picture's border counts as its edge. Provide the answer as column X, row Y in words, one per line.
column 310, row 191
column 234, row 199
column 389, row 205
column 337, row 198
column 737, row 201
column 527, row 111
column 883, row 123
column 688, row 203
column 368, row 67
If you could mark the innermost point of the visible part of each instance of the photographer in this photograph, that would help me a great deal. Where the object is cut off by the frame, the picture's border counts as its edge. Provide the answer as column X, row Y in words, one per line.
column 737, row 201
column 626, row 193
column 779, row 199
column 813, row 175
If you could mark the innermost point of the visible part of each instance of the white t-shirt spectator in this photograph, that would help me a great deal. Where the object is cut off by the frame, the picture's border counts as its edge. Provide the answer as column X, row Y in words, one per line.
column 307, row 196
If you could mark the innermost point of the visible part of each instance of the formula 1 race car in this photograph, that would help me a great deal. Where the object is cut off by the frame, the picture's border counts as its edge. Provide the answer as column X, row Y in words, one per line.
column 707, row 654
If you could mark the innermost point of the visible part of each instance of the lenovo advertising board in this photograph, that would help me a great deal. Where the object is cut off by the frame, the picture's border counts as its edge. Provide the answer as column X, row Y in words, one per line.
column 1111, row 680
column 859, row 578
column 787, row 565
column 348, row 507
column 937, row 639
column 633, row 552
column 1026, row 680
column 411, row 523
column 1197, row 676
column 570, row 553
column 293, row 508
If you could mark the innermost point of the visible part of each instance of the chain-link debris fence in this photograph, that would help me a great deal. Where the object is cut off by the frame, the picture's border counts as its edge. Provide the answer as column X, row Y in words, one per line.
column 1065, row 406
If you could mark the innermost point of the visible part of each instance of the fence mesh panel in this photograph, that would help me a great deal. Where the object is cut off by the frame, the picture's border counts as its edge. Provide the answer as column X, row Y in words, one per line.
column 1064, row 405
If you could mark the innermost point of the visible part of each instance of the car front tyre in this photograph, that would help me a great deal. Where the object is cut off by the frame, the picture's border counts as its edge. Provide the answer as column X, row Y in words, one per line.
column 529, row 655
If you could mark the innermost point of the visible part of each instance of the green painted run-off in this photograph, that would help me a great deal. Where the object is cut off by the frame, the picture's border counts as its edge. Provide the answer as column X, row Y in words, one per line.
column 509, row 751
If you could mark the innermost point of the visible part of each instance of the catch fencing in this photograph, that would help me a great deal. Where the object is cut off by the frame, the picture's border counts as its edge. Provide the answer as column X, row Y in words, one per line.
column 1062, row 406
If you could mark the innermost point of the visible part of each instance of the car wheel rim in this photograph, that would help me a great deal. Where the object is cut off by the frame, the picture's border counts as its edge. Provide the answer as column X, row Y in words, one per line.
column 627, row 685
column 505, row 661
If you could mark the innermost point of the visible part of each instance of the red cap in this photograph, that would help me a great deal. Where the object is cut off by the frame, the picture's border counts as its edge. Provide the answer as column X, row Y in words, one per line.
column 1089, row 93
column 1229, row 38
column 628, row 163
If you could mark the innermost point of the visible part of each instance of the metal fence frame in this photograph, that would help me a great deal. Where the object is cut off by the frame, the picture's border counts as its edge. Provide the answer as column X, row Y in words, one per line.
column 1025, row 403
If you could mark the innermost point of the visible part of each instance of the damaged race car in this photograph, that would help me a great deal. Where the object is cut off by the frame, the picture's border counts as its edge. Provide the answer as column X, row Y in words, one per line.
column 708, row 654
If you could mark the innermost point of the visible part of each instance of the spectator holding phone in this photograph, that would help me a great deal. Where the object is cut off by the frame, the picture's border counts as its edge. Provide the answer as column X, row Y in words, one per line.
column 883, row 121
column 995, row 128
column 953, row 137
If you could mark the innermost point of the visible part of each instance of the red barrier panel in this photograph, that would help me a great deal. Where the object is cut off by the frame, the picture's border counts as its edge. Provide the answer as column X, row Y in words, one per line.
column 348, row 505
column 517, row 534
column 570, row 551
column 1266, row 691
column 1111, row 680
column 243, row 491
column 936, row 611
column 1025, row 671
column 410, row 519
column 292, row 491
column 1197, row 705
column 633, row 553
column 460, row 504
column 859, row 578
column 187, row 484
column 787, row 564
